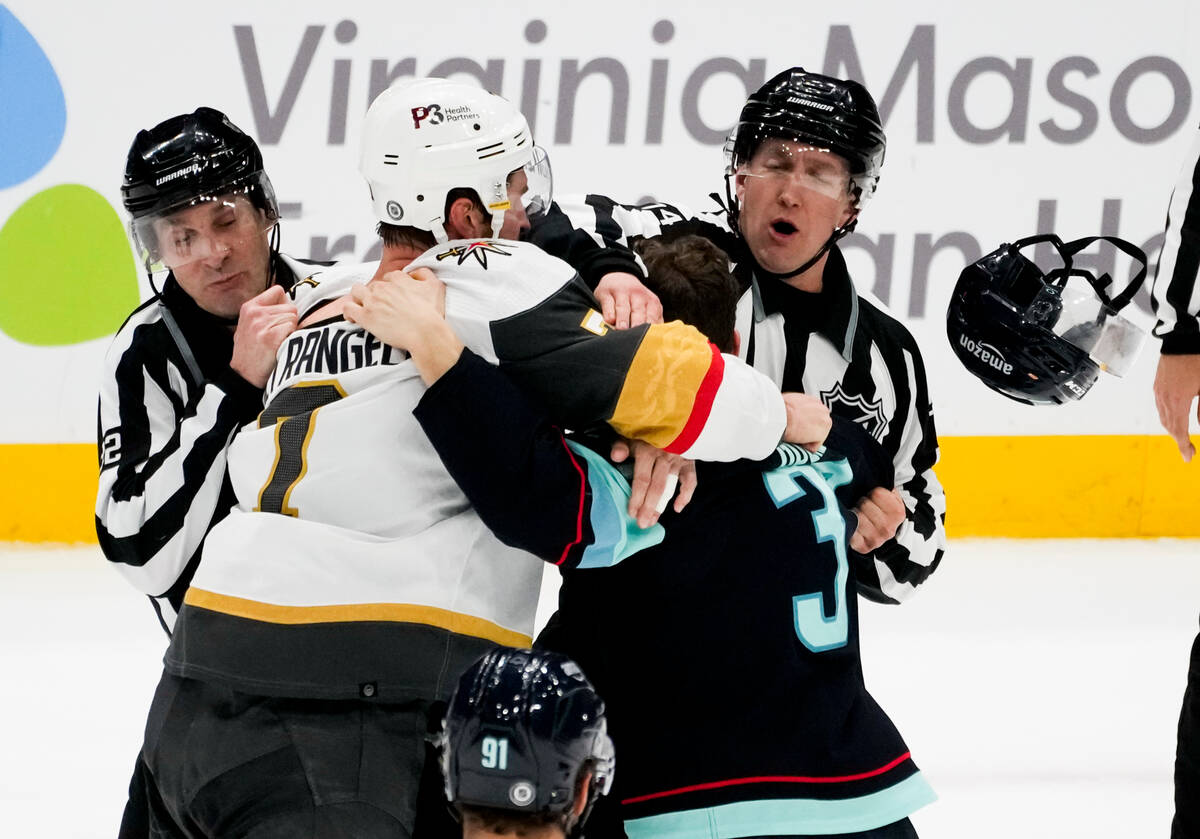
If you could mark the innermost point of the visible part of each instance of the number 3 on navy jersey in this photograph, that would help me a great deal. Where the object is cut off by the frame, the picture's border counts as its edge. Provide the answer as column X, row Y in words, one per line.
column 816, row 628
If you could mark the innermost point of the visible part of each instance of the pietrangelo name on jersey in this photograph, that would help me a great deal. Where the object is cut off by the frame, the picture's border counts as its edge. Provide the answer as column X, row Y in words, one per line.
column 328, row 350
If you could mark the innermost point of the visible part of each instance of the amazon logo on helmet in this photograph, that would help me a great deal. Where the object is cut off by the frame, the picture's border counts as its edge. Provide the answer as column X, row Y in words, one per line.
column 1043, row 338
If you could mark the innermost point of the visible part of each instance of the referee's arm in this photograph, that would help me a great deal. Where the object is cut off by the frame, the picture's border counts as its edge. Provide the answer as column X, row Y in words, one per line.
column 162, row 447
column 1175, row 297
column 892, row 572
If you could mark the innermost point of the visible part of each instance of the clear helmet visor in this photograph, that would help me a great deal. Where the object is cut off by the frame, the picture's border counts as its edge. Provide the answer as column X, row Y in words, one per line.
column 539, row 183
column 788, row 164
column 205, row 227
column 1075, row 314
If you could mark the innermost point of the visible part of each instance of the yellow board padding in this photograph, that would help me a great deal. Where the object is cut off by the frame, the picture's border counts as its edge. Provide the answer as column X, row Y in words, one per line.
column 1079, row 486
column 48, row 492
column 1133, row 486
column 456, row 622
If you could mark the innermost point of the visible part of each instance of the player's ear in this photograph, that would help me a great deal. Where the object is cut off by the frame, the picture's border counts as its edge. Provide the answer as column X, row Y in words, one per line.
column 737, row 342
column 583, row 794
column 464, row 219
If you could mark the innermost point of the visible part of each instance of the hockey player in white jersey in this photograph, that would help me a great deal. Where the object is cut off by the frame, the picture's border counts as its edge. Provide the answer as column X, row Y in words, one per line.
column 352, row 581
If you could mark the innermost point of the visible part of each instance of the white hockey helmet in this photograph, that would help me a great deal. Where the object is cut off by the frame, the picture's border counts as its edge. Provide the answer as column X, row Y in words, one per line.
column 424, row 137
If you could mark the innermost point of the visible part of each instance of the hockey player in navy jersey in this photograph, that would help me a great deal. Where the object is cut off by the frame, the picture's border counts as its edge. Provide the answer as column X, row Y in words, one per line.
column 725, row 638
column 802, row 161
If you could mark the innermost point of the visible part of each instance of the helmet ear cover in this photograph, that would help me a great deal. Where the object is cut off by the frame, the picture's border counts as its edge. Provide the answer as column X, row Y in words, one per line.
column 1013, row 326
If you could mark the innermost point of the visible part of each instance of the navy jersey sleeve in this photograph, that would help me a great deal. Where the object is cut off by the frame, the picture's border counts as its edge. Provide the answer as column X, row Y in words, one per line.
column 559, row 501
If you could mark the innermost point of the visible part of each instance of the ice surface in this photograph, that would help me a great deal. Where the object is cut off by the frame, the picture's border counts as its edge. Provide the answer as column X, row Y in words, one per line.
column 1037, row 683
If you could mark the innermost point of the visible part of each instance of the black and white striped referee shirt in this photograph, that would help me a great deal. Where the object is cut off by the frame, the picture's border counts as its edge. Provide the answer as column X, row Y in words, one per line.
column 1176, row 294
column 165, row 419
column 838, row 344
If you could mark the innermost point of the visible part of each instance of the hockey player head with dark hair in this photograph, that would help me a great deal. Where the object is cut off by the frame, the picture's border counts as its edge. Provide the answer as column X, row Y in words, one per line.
column 524, row 746
column 447, row 160
column 800, row 164
column 693, row 282
column 201, row 206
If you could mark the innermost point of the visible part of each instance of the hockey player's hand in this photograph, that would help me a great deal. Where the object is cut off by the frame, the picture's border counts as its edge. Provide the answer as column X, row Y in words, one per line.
column 263, row 322
column 655, row 476
column 625, row 302
column 1176, row 387
column 879, row 516
column 808, row 421
column 407, row 311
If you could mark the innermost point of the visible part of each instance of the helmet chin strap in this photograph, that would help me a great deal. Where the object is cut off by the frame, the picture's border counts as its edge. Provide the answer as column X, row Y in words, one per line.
column 837, row 233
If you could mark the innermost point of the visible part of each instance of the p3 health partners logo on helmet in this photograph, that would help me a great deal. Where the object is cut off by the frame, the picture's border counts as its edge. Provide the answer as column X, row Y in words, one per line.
column 41, row 238
column 433, row 113
column 436, row 114
column 858, row 409
column 986, row 353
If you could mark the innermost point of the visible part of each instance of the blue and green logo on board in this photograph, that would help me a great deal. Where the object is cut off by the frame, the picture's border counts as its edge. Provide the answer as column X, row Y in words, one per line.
column 66, row 271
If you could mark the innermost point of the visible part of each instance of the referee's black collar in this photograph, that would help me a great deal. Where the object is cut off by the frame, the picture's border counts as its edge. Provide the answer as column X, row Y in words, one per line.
column 832, row 311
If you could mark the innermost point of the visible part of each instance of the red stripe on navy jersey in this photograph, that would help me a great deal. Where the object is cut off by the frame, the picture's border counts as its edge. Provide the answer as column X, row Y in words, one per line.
column 582, row 500
column 773, row 779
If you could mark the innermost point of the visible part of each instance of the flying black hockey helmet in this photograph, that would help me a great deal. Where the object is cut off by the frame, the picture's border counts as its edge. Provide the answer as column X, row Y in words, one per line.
column 1036, row 337
column 187, row 160
column 814, row 110
column 520, row 728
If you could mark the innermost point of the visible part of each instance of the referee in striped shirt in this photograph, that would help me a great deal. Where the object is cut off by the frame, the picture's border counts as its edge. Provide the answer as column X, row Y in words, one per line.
column 1176, row 301
column 187, row 367
column 801, row 163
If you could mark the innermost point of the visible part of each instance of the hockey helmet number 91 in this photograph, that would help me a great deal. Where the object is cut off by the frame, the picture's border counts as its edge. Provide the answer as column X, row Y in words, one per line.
column 521, row 727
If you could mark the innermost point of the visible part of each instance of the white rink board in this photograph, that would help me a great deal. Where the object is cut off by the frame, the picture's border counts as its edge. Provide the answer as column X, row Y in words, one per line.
column 1037, row 683
column 1095, row 120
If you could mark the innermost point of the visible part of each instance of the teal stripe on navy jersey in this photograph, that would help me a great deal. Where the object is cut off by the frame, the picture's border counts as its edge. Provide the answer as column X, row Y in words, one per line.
column 788, row 817
column 617, row 533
